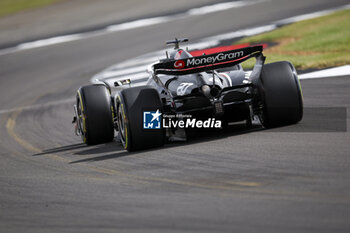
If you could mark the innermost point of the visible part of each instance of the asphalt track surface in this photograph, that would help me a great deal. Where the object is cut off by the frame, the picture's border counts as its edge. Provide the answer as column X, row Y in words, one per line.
column 293, row 179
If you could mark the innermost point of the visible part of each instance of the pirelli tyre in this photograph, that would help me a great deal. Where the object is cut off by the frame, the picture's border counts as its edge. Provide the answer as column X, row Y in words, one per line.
column 132, row 104
column 95, row 114
column 281, row 95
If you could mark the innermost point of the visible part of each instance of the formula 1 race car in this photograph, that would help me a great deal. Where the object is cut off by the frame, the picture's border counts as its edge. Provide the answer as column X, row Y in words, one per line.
column 185, row 91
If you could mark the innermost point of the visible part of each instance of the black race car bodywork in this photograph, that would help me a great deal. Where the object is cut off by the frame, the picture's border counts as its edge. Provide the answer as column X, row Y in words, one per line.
column 209, row 87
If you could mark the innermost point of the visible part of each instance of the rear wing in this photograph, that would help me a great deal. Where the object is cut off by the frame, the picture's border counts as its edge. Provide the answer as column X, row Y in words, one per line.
column 207, row 62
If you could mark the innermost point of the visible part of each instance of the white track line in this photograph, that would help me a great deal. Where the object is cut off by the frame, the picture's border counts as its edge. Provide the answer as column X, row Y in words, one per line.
column 132, row 76
column 164, row 19
column 311, row 15
column 121, row 72
column 242, row 33
column 219, row 7
column 130, row 25
column 137, row 24
column 332, row 72
column 50, row 41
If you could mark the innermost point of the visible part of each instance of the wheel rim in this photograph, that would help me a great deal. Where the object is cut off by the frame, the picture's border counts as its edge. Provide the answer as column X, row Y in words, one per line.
column 121, row 124
column 81, row 120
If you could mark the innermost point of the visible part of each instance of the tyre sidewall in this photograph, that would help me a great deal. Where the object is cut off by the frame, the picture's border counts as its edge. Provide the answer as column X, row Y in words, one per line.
column 281, row 94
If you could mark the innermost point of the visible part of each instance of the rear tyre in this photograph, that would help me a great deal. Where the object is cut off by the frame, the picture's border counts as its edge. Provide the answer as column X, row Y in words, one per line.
column 281, row 95
column 95, row 114
column 131, row 104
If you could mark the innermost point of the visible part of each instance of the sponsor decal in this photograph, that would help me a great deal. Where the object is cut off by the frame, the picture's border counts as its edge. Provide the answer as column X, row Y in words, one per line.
column 191, row 123
column 179, row 64
column 152, row 120
column 214, row 59
column 182, row 88
column 197, row 61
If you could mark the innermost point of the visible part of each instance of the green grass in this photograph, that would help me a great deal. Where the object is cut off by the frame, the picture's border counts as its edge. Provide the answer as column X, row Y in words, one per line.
column 8, row 7
column 311, row 44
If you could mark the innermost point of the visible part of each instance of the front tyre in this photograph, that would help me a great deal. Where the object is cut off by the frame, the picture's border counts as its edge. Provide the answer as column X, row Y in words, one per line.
column 281, row 95
column 95, row 114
